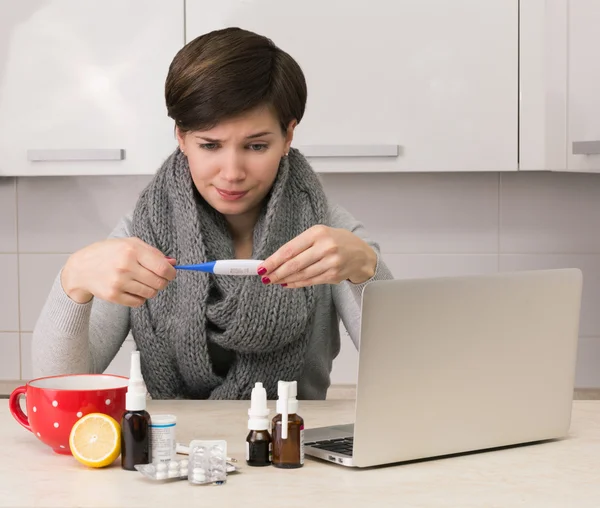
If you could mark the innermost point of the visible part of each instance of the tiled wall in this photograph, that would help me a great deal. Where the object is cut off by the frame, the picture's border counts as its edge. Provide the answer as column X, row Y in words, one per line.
column 427, row 224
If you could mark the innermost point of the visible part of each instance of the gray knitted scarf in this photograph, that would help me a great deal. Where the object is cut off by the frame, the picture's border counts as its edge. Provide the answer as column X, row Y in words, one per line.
column 266, row 327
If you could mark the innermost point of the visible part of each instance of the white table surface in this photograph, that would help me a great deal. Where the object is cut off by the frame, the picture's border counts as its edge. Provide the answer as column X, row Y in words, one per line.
column 563, row 473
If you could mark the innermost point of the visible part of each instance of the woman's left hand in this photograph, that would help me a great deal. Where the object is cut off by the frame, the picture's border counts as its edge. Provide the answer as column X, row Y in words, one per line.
column 320, row 255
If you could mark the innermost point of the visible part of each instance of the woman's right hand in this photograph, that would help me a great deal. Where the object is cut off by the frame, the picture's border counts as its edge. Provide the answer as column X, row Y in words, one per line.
column 121, row 270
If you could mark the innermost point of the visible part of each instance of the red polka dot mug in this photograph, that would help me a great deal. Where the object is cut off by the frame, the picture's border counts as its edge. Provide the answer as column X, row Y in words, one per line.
column 55, row 403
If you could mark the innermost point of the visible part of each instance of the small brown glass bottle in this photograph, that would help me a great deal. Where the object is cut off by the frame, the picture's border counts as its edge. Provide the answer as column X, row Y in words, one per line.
column 135, row 439
column 135, row 424
column 258, row 441
column 258, row 448
column 288, row 429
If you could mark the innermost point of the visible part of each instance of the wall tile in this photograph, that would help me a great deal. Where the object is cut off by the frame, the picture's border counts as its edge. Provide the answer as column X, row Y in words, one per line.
column 63, row 214
column 588, row 264
column 9, row 293
column 37, row 273
column 10, row 363
column 588, row 363
column 8, row 215
column 406, row 266
column 26, row 368
column 550, row 212
column 422, row 213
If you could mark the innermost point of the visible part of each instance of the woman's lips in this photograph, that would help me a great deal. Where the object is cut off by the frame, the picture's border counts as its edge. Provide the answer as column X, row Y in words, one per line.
column 231, row 195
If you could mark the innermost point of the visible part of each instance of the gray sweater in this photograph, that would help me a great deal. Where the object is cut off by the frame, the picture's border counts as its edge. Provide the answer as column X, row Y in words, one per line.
column 72, row 338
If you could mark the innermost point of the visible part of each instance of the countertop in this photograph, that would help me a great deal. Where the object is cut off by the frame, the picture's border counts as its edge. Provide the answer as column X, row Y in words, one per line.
column 564, row 473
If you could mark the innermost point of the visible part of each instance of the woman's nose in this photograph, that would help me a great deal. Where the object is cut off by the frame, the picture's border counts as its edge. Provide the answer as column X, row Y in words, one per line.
column 232, row 168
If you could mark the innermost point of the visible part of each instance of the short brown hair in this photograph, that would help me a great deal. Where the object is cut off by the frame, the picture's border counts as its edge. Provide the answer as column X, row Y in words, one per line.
column 225, row 73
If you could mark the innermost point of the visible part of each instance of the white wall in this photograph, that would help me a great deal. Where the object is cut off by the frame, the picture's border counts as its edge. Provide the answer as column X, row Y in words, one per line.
column 427, row 224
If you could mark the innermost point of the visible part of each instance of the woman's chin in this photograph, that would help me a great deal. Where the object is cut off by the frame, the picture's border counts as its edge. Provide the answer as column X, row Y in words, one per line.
column 232, row 208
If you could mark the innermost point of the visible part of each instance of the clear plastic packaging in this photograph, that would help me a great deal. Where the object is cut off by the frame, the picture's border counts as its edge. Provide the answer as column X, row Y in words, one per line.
column 207, row 462
column 171, row 471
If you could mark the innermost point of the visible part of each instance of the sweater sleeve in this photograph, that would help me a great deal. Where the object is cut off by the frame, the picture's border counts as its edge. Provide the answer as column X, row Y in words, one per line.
column 347, row 296
column 73, row 338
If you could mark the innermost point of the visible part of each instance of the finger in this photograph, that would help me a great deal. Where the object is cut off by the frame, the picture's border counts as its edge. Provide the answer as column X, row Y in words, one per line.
column 310, row 272
column 136, row 288
column 153, row 260
column 288, row 251
column 148, row 278
column 324, row 278
column 295, row 265
column 130, row 300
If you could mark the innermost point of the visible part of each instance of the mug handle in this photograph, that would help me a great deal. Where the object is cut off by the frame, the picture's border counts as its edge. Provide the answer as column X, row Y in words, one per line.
column 15, row 407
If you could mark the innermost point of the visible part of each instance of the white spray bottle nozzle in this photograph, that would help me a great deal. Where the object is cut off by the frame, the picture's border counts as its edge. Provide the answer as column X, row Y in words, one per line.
column 135, row 399
column 283, row 388
column 258, row 411
column 287, row 403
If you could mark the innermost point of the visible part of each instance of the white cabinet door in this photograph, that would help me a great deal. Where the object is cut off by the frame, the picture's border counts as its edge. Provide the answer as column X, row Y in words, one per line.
column 543, row 85
column 583, row 138
column 437, row 79
column 82, row 85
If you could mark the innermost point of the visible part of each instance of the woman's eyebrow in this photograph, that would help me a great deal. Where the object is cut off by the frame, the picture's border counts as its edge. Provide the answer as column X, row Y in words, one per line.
column 251, row 136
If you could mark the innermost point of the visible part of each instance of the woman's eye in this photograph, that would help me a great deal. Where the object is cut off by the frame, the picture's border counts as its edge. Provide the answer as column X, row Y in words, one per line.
column 209, row 146
column 257, row 148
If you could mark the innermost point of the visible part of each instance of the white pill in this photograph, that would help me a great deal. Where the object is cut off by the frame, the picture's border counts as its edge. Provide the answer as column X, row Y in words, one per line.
column 199, row 478
column 173, row 464
column 183, row 464
column 173, row 473
column 161, row 475
column 161, row 467
column 198, row 470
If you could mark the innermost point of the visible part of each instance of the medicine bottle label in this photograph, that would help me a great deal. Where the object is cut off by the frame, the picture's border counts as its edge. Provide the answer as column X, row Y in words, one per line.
column 302, row 444
column 162, row 442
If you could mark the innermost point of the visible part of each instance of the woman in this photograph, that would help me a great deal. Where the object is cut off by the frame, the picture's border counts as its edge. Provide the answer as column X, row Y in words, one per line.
column 234, row 188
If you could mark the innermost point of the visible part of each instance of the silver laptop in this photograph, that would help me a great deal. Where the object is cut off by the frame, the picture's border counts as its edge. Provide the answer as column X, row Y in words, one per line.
column 459, row 364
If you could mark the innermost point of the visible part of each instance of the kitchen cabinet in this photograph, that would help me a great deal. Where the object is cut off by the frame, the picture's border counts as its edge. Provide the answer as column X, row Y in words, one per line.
column 583, row 106
column 82, row 85
column 394, row 86
column 559, row 81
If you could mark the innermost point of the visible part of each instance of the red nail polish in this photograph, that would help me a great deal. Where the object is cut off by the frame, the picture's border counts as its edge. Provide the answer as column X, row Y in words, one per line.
column 262, row 270
column 266, row 280
column 284, row 285
column 169, row 257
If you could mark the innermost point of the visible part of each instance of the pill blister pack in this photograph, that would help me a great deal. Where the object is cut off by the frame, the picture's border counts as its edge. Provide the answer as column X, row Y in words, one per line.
column 173, row 470
column 207, row 462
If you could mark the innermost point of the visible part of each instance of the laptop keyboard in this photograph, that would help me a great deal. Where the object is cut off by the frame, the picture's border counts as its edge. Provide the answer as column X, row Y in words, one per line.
column 341, row 445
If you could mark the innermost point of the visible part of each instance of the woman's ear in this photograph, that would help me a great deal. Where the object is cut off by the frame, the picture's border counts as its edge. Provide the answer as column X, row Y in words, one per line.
column 180, row 139
column 289, row 136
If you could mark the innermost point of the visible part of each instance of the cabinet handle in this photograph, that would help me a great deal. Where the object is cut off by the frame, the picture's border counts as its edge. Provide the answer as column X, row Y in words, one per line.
column 93, row 154
column 350, row 150
column 586, row 147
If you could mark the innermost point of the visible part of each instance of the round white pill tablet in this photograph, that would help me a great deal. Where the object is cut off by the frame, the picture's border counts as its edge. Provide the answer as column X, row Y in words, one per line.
column 183, row 464
column 173, row 473
column 173, row 464
column 199, row 478
column 198, row 470
column 161, row 475
column 161, row 467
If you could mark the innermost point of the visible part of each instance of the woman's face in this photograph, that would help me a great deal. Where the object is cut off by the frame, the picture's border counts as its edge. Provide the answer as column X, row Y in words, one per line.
column 235, row 164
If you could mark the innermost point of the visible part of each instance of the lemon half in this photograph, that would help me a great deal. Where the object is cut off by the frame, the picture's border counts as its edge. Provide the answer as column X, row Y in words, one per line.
column 95, row 440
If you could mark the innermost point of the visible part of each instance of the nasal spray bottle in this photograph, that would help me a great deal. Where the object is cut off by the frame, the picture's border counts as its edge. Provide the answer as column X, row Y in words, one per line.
column 288, row 428
column 135, row 425
column 258, row 441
